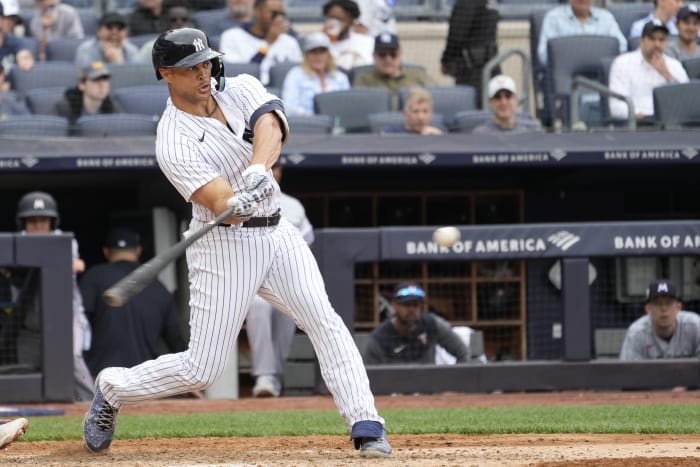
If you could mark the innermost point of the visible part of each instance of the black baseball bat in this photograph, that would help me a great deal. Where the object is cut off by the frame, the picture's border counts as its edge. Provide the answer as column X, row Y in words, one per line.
column 139, row 278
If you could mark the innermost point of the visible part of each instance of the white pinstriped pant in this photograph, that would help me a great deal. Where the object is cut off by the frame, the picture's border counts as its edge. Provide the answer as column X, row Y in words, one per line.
column 227, row 267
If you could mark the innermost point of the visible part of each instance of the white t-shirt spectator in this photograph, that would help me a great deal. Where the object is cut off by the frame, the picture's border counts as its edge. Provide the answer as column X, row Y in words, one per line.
column 354, row 51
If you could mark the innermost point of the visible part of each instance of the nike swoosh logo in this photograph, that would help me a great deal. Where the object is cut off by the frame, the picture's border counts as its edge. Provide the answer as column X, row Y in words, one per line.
column 201, row 140
column 399, row 349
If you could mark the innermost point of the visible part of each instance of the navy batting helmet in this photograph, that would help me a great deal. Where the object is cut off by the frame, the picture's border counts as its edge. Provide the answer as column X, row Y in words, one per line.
column 186, row 47
column 34, row 204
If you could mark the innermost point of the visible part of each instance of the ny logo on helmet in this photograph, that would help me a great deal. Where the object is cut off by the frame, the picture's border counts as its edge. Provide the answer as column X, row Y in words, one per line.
column 198, row 44
column 39, row 203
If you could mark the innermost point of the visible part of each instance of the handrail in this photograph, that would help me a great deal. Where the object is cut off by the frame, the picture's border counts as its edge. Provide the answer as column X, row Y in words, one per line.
column 524, row 93
column 579, row 82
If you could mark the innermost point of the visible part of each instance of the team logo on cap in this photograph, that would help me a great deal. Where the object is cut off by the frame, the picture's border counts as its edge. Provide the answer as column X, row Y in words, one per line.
column 663, row 287
column 198, row 45
column 39, row 203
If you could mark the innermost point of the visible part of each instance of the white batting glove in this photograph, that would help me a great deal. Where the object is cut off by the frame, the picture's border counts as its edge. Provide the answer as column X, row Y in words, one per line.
column 257, row 182
column 243, row 205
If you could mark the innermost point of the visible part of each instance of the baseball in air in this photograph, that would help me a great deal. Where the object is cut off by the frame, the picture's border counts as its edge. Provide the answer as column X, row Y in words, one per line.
column 446, row 236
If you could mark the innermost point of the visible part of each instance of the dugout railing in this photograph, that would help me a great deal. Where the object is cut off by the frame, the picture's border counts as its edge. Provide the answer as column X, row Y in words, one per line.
column 339, row 250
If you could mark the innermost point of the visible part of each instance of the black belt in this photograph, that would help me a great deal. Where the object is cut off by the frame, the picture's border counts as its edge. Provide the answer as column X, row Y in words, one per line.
column 269, row 221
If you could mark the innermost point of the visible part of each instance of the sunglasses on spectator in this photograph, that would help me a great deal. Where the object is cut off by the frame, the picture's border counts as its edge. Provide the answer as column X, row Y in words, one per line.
column 388, row 53
column 115, row 26
column 502, row 95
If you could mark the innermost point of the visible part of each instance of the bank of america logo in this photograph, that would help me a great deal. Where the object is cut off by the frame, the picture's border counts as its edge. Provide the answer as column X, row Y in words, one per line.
column 563, row 239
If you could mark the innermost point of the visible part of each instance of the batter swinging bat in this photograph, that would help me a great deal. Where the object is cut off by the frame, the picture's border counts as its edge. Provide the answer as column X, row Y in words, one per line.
column 122, row 291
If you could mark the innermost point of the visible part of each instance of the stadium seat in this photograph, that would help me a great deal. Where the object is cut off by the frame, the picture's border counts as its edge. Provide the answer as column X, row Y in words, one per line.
column 352, row 106
column 677, row 105
column 34, row 125
column 274, row 90
column 413, row 10
column 627, row 13
column 143, row 100
column 78, row 3
column 89, row 18
column 522, row 9
column 692, row 67
column 141, row 39
column 132, row 74
column 42, row 101
column 107, row 125
column 573, row 56
column 44, row 74
column 305, row 10
column 233, row 69
column 208, row 20
column 62, row 49
column 310, row 124
column 278, row 73
column 466, row 120
column 379, row 120
column 447, row 100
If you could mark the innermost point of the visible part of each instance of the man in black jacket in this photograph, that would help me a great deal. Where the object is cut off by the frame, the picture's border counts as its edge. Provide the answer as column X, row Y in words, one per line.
column 90, row 96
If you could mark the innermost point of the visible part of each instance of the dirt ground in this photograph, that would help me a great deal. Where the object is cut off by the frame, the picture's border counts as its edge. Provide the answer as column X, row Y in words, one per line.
column 409, row 450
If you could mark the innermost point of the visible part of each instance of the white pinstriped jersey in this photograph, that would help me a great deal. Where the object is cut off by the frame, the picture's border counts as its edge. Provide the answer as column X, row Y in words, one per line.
column 191, row 150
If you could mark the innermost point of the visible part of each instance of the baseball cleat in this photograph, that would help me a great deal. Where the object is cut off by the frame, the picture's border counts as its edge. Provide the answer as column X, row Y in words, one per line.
column 99, row 422
column 266, row 386
column 375, row 447
column 10, row 431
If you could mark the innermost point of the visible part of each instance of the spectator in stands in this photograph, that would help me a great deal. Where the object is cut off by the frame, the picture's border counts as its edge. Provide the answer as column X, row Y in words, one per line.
column 145, row 19
column 316, row 74
column 471, row 42
column 417, row 114
column 264, row 41
column 685, row 46
column 90, row 96
column 37, row 214
column 54, row 20
column 239, row 14
column 13, row 49
column 503, row 102
column 176, row 15
column 410, row 335
column 349, row 48
column 635, row 74
column 376, row 17
column 10, row 103
column 11, row 21
column 130, row 334
column 578, row 18
column 664, row 11
column 388, row 72
column 270, row 331
column 111, row 44
column 665, row 331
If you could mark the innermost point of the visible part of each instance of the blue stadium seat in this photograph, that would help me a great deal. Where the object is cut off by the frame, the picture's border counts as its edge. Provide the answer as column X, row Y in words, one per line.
column 447, row 100
column 108, row 125
column 352, row 106
column 44, row 74
column 34, row 125
column 144, row 100
column 310, row 124
column 278, row 73
column 62, row 49
column 627, row 13
column 141, row 39
column 212, row 22
column 677, row 105
column 692, row 67
column 89, row 18
column 43, row 101
column 305, row 10
column 466, row 120
column 233, row 69
column 132, row 74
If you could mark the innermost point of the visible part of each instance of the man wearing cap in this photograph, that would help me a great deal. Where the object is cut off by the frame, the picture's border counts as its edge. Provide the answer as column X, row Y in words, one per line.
column 503, row 102
column 130, row 334
column 665, row 331
column 265, row 41
column 635, row 74
column 578, row 18
column 388, row 72
column 664, row 11
column 14, row 51
column 111, row 44
column 410, row 335
column 685, row 46
column 90, row 96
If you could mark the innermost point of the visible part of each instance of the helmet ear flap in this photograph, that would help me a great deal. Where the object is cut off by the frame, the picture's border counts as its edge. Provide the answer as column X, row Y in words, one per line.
column 217, row 72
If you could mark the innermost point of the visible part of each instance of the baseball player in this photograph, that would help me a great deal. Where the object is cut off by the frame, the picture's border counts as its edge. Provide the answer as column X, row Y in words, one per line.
column 217, row 140
column 37, row 213
column 665, row 331
column 270, row 332
column 11, row 430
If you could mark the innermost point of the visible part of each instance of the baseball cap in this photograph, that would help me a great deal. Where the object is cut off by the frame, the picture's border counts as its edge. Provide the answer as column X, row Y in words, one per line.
column 316, row 40
column 407, row 292
column 654, row 25
column 501, row 82
column 662, row 288
column 9, row 8
column 386, row 40
column 112, row 17
column 93, row 71
column 122, row 237
column 687, row 11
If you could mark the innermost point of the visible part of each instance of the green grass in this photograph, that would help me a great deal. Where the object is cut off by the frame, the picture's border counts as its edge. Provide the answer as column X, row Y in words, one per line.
column 646, row 418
